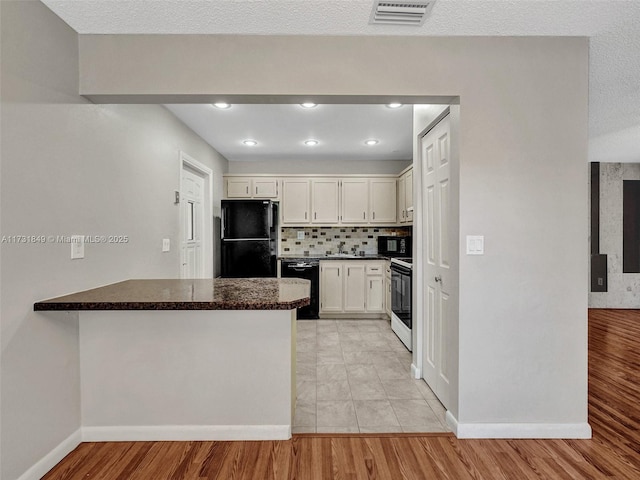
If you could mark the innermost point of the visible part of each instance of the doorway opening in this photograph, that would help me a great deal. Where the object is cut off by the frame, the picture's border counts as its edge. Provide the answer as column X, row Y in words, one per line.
column 196, row 221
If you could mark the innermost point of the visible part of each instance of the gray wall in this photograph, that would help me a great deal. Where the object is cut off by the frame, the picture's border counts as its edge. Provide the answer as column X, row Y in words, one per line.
column 523, row 177
column 71, row 167
column 361, row 167
column 523, row 184
column 623, row 288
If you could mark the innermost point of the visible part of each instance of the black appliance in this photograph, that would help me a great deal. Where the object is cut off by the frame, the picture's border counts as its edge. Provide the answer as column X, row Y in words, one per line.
column 394, row 246
column 401, row 316
column 249, row 234
column 308, row 270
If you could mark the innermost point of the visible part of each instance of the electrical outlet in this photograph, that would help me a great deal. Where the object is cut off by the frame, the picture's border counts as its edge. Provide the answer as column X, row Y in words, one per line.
column 77, row 247
column 300, row 234
column 166, row 244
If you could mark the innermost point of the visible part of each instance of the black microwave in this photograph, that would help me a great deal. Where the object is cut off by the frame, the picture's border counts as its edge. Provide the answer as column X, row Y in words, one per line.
column 394, row 246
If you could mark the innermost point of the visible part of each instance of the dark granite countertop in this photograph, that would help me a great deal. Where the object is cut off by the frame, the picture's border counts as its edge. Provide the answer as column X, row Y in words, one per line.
column 326, row 257
column 200, row 294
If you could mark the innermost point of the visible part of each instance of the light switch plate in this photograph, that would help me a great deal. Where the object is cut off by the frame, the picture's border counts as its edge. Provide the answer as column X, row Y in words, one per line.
column 475, row 244
column 301, row 235
column 77, row 247
column 166, row 244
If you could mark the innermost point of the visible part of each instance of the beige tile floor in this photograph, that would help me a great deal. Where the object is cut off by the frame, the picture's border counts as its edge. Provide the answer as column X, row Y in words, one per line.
column 354, row 376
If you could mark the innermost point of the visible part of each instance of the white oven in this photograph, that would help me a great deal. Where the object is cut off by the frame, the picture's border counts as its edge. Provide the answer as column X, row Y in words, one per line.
column 401, row 317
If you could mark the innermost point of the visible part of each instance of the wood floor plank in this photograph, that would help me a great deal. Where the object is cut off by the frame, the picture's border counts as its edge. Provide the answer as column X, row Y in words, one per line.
column 612, row 454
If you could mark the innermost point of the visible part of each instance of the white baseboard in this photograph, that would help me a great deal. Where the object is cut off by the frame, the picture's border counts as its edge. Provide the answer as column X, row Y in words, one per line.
column 452, row 422
column 518, row 430
column 415, row 372
column 186, row 433
column 51, row 459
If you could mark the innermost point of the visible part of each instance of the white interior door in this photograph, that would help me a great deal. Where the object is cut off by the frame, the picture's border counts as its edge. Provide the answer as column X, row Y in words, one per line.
column 438, row 277
column 192, row 202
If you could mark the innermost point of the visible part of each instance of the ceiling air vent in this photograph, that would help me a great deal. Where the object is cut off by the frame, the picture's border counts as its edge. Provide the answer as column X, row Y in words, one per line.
column 400, row 13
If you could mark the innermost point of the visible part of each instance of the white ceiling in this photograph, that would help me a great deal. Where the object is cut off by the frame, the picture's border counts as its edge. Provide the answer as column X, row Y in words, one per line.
column 281, row 131
column 612, row 25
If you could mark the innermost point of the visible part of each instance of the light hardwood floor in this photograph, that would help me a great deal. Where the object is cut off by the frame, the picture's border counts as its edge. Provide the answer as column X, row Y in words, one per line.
column 613, row 453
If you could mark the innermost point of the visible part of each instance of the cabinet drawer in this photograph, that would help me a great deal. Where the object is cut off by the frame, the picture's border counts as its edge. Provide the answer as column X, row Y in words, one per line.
column 374, row 269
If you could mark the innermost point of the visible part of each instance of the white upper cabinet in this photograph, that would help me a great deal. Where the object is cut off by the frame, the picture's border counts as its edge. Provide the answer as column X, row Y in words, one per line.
column 252, row 187
column 382, row 200
column 408, row 194
column 265, row 187
column 355, row 200
column 405, row 197
column 239, row 187
column 328, row 201
column 295, row 201
column 324, row 200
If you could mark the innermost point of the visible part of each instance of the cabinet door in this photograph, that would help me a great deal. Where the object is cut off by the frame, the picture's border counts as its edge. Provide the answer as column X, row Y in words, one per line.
column 354, row 287
column 355, row 200
column 382, row 200
column 408, row 194
column 402, row 214
column 238, row 188
column 375, row 294
column 295, row 201
column 324, row 201
column 331, row 287
column 387, row 300
column 265, row 187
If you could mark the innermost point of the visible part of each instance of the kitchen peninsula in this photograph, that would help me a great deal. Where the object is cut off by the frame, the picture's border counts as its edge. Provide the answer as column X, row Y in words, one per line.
column 206, row 359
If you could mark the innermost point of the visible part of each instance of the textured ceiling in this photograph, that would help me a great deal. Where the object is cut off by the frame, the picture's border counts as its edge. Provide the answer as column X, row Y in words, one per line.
column 613, row 27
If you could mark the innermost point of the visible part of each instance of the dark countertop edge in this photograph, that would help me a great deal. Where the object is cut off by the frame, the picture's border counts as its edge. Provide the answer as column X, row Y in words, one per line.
column 148, row 306
column 310, row 257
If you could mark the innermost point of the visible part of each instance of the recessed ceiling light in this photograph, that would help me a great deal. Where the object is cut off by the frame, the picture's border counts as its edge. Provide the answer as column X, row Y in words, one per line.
column 308, row 105
column 394, row 105
column 222, row 105
column 371, row 142
column 311, row 143
column 250, row 143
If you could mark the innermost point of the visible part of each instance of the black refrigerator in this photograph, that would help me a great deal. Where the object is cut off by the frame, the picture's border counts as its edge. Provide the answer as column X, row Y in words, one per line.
column 249, row 234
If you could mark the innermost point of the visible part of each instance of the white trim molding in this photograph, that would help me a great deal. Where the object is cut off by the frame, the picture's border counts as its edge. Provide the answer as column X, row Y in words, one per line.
column 415, row 372
column 51, row 459
column 137, row 433
column 518, row 430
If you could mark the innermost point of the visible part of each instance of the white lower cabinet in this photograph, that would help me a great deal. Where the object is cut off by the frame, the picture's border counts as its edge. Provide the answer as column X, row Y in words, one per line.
column 352, row 287
column 387, row 288
column 331, row 287
column 354, row 291
column 375, row 294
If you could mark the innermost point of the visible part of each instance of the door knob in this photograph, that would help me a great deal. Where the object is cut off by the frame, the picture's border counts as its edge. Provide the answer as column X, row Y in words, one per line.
column 438, row 279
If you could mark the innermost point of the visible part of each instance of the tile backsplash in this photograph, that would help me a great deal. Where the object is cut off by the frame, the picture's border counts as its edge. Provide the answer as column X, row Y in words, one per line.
column 326, row 240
